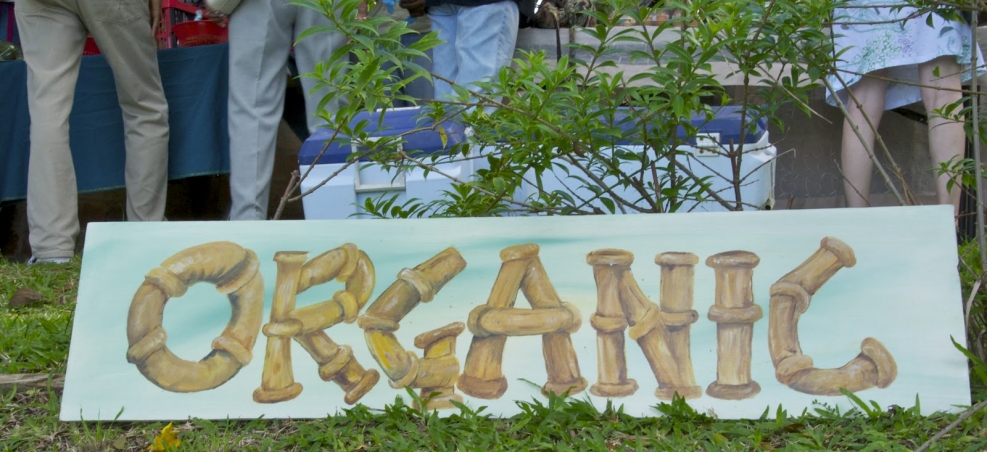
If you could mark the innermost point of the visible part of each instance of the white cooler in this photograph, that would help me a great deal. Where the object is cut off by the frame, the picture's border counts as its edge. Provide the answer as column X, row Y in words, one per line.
column 339, row 197
column 757, row 165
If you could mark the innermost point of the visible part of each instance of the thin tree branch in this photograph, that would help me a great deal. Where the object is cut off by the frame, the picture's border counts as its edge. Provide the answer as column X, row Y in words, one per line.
column 966, row 415
column 284, row 197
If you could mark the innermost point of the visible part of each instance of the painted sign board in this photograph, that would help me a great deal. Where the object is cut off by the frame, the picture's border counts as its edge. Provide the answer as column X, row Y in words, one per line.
column 736, row 312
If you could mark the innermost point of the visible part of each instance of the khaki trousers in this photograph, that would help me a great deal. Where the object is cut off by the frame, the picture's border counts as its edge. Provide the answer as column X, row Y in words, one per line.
column 53, row 33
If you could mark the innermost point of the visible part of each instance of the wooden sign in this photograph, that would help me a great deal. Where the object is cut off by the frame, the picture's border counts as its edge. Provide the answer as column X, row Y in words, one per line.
column 735, row 312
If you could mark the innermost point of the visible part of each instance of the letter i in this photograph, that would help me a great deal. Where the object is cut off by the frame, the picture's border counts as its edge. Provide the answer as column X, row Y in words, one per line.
column 734, row 314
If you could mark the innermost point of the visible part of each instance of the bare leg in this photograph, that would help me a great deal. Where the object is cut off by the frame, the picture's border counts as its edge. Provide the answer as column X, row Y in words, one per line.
column 947, row 139
column 856, row 161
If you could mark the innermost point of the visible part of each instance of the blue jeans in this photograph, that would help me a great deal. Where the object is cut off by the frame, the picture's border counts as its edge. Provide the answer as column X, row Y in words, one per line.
column 419, row 88
column 479, row 41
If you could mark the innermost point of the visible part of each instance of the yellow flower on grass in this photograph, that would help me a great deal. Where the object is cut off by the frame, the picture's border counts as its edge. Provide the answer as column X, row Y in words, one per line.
column 166, row 441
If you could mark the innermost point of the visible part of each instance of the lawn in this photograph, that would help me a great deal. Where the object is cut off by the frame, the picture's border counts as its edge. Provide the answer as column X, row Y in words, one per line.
column 35, row 339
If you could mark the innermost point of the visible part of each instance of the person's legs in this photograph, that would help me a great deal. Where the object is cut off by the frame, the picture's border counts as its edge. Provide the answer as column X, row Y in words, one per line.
column 445, row 59
column 52, row 39
column 856, row 162
column 260, row 38
column 947, row 139
column 124, row 38
column 485, row 40
column 310, row 51
column 421, row 87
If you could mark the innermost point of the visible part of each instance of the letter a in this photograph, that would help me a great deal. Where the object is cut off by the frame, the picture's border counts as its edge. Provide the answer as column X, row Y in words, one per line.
column 549, row 317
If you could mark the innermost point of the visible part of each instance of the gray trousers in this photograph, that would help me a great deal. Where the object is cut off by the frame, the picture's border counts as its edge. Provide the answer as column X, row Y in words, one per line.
column 53, row 33
column 261, row 36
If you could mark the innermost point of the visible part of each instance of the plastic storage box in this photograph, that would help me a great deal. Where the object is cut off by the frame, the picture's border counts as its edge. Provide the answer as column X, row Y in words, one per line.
column 340, row 196
column 703, row 156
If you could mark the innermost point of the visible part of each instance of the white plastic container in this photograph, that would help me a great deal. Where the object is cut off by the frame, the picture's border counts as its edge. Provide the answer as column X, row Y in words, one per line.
column 340, row 196
column 703, row 157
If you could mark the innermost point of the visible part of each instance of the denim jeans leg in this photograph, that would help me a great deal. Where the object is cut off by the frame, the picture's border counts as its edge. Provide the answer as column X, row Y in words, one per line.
column 387, row 66
column 445, row 62
column 483, row 41
column 486, row 36
column 419, row 88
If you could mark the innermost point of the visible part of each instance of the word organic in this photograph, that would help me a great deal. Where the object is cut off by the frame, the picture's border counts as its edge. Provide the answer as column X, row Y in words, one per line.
column 661, row 330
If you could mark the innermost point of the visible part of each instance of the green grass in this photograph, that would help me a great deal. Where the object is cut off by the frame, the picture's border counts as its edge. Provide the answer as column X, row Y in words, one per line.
column 35, row 340
column 28, row 421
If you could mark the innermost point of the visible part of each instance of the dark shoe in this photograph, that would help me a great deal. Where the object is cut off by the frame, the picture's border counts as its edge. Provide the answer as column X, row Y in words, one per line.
column 48, row 260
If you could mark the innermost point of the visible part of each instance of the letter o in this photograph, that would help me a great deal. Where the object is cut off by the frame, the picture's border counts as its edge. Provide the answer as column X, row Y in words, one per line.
column 234, row 271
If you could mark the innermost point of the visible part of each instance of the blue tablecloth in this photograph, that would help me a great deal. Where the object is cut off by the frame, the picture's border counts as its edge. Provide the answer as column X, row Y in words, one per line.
column 196, row 85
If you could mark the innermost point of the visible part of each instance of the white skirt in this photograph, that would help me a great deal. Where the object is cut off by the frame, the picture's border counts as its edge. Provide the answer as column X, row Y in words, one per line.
column 874, row 40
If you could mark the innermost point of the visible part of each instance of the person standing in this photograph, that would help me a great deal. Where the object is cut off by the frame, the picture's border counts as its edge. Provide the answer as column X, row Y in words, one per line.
column 421, row 87
column 479, row 36
column 890, row 56
column 53, row 33
column 261, row 34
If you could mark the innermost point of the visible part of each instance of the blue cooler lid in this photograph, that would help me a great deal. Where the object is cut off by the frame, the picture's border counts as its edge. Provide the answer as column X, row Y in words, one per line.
column 396, row 121
column 726, row 122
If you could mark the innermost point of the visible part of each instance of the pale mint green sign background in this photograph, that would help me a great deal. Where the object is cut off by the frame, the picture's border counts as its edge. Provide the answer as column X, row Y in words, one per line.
column 904, row 291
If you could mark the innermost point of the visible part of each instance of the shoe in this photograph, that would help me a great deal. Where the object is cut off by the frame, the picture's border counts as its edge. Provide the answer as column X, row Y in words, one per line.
column 48, row 260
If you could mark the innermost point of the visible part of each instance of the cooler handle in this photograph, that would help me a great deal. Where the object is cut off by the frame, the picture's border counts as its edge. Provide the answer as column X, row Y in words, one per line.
column 707, row 144
column 396, row 184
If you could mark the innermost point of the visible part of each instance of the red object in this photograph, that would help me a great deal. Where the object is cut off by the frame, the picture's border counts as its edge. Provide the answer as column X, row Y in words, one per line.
column 199, row 33
column 170, row 9
column 90, row 48
column 11, row 21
